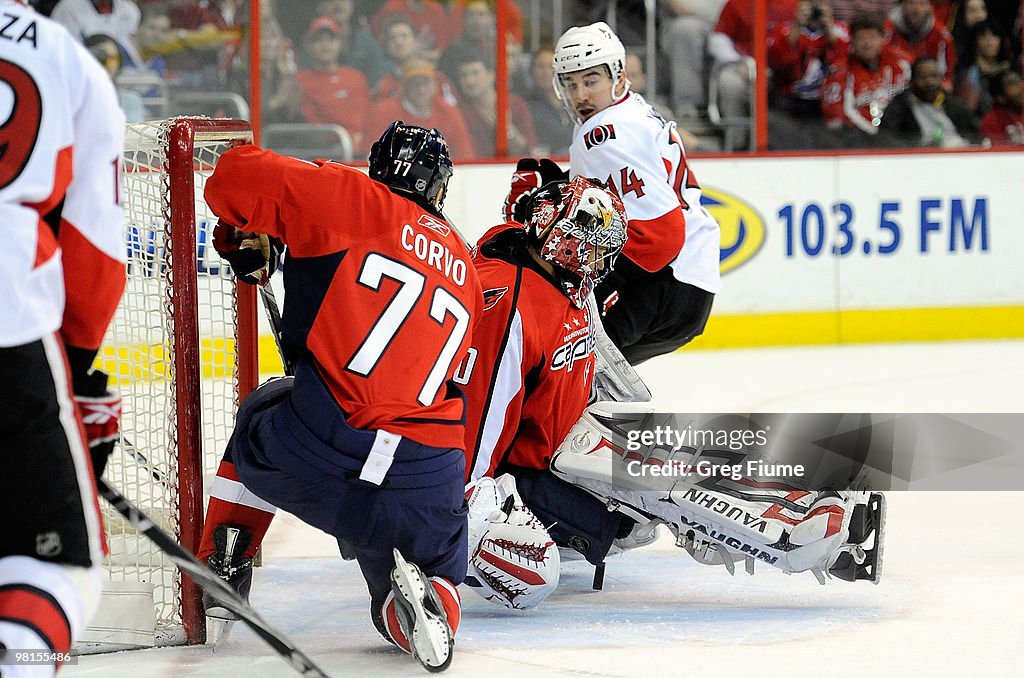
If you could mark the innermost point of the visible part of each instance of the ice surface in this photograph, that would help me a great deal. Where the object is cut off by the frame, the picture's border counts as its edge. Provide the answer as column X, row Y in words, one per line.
column 950, row 603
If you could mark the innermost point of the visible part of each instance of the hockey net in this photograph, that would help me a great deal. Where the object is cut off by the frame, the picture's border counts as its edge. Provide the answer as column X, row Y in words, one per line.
column 182, row 350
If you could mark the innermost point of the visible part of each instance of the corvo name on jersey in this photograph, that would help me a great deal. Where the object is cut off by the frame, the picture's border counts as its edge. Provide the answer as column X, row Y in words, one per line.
column 8, row 31
column 599, row 135
column 434, row 254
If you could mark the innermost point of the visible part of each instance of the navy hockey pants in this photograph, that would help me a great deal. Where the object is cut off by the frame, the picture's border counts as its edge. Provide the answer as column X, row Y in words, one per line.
column 293, row 448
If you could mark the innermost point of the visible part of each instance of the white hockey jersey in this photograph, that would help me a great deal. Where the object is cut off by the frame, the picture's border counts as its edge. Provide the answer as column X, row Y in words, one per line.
column 61, row 135
column 641, row 155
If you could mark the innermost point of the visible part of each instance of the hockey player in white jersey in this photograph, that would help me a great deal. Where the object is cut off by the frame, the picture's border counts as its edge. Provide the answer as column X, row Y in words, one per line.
column 62, row 274
column 659, row 295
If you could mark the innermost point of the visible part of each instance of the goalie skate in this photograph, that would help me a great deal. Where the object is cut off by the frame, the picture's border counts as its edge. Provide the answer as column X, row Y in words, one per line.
column 421, row 616
column 867, row 538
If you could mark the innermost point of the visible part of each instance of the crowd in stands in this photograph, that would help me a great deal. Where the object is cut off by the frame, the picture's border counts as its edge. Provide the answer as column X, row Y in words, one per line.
column 842, row 73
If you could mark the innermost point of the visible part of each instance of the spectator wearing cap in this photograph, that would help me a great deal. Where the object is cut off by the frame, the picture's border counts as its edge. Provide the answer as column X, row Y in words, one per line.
column 419, row 105
column 331, row 93
column 359, row 50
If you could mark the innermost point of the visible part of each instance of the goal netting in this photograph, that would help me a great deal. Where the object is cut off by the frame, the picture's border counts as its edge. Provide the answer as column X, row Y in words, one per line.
column 181, row 350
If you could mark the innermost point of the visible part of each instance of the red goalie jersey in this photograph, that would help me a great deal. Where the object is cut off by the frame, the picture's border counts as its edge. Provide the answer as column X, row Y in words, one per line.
column 380, row 292
column 530, row 368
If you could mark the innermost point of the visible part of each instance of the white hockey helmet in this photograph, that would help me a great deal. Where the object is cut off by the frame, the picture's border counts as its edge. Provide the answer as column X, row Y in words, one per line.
column 583, row 47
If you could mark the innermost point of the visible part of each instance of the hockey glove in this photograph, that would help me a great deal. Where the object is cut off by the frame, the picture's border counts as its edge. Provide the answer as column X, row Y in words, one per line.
column 100, row 409
column 530, row 175
column 253, row 256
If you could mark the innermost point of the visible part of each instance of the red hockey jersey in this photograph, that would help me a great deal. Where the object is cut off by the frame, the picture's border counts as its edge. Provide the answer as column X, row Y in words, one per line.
column 529, row 371
column 799, row 69
column 937, row 43
column 379, row 292
column 858, row 96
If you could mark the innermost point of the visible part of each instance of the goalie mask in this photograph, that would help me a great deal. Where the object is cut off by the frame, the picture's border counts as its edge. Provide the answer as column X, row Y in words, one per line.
column 413, row 160
column 579, row 227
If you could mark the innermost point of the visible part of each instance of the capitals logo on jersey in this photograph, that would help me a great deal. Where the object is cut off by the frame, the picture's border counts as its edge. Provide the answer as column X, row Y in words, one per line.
column 579, row 344
column 599, row 135
column 493, row 296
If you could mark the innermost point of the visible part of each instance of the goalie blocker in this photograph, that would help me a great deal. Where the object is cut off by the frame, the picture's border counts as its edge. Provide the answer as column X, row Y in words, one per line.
column 830, row 533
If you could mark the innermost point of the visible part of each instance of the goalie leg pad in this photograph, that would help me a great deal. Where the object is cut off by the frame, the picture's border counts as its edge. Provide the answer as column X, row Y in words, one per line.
column 793, row 530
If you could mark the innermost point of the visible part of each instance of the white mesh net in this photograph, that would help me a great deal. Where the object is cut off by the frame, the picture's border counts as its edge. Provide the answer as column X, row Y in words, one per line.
column 139, row 349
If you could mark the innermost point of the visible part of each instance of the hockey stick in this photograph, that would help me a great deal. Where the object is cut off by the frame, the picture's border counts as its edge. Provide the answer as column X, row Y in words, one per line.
column 274, row 318
column 210, row 582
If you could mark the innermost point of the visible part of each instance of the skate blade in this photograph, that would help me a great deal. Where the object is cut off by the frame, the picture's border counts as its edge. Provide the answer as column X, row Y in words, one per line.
column 877, row 502
column 430, row 639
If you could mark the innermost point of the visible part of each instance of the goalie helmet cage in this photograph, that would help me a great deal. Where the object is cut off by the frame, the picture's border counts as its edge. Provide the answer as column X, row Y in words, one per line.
column 182, row 350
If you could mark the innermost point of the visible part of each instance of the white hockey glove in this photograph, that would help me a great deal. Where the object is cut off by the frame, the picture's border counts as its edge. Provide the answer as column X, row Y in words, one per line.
column 512, row 559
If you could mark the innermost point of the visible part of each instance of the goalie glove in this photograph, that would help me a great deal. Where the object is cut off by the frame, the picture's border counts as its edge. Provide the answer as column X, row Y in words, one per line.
column 530, row 175
column 512, row 559
column 253, row 256
column 100, row 410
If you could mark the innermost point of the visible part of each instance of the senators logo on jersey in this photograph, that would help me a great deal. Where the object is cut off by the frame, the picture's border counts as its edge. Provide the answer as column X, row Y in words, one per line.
column 599, row 135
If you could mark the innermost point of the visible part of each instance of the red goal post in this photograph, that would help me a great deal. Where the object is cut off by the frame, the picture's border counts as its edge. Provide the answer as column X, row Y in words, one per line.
column 182, row 350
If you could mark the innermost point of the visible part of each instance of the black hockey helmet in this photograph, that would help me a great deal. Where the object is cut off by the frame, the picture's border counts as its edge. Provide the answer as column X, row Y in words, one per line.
column 414, row 160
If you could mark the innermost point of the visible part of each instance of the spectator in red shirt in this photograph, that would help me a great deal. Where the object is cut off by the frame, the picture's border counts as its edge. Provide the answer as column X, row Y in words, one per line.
column 730, row 44
column 1004, row 122
column 856, row 93
column 403, row 48
column 913, row 29
column 801, row 52
column 434, row 27
column 479, row 106
column 331, row 93
column 420, row 105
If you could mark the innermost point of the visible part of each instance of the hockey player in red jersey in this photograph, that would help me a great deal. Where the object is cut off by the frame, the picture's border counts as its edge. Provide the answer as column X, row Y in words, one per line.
column 62, row 274
column 659, row 294
column 528, row 379
column 366, row 441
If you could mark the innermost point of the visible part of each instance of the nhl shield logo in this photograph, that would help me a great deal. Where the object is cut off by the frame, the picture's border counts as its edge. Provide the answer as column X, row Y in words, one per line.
column 48, row 544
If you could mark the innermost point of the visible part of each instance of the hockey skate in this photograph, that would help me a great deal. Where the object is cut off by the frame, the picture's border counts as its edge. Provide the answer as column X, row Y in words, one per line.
column 230, row 564
column 421, row 616
column 862, row 559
